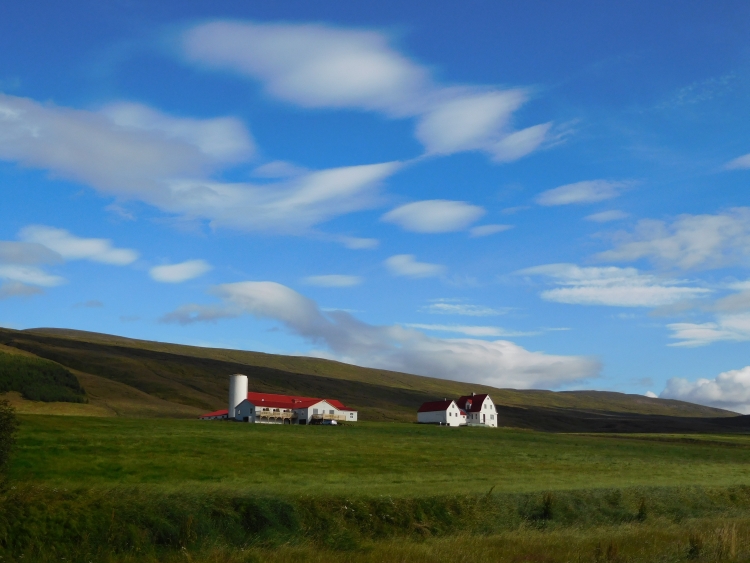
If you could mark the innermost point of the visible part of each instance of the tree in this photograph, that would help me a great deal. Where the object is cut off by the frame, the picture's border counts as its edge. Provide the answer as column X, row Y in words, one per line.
column 8, row 428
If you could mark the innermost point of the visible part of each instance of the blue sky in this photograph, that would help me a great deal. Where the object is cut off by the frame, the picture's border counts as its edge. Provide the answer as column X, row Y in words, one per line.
column 533, row 196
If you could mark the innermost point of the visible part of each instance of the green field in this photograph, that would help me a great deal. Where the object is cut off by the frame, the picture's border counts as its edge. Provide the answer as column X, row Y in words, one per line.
column 364, row 458
column 130, row 490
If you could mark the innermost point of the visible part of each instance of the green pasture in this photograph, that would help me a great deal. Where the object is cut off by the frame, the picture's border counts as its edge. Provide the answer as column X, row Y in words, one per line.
column 364, row 459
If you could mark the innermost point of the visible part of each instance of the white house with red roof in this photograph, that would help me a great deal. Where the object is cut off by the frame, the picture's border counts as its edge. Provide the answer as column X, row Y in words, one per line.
column 444, row 412
column 271, row 408
column 469, row 410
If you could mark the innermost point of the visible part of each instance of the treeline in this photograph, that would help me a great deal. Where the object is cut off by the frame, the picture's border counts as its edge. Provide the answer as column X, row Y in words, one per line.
column 39, row 380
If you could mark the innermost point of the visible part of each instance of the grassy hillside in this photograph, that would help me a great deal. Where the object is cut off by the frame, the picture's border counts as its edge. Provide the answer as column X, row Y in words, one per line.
column 39, row 380
column 140, row 378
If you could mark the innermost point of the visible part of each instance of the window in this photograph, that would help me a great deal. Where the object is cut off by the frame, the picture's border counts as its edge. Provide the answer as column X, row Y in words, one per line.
column 330, row 412
column 492, row 417
column 315, row 411
column 351, row 415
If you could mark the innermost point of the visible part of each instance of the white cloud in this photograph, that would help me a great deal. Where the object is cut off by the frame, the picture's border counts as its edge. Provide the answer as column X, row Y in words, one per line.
column 469, row 330
column 468, row 121
column 29, row 253
column 607, row 216
column 21, row 268
column 178, row 273
column 311, row 65
column 406, row 265
column 486, row 230
column 651, row 395
column 168, row 165
column 617, row 287
column 357, row 243
column 729, row 390
column 739, row 163
column 454, row 307
column 519, row 144
column 223, row 139
column 17, row 289
column 689, row 242
column 590, row 191
column 30, row 275
column 434, row 216
column 333, row 280
column 279, row 169
column 733, row 328
column 500, row 363
column 71, row 247
column 322, row 66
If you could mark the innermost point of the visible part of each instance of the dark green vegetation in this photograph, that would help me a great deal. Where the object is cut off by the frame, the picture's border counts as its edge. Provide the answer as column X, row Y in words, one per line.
column 98, row 489
column 8, row 429
column 138, row 378
column 39, row 380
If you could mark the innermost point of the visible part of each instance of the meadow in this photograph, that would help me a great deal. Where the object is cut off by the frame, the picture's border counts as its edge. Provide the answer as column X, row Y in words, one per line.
column 363, row 459
column 129, row 490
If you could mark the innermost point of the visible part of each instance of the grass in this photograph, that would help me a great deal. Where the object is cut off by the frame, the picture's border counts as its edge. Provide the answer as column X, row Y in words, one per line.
column 362, row 459
column 120, row 490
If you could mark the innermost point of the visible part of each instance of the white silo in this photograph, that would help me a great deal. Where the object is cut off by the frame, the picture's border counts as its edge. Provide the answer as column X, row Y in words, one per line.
column 237, row 392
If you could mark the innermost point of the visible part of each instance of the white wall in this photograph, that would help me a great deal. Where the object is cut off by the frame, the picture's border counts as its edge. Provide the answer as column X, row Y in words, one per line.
column 450, row 416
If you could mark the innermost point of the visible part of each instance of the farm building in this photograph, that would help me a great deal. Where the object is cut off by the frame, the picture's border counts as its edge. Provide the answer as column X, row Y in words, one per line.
column 441, row 412
column 469, row 410
column 269, row 408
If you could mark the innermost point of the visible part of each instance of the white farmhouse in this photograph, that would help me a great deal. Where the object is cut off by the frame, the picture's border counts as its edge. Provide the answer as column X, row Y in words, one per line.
column 479, row 410
column 469, row 410
column 270, row 408
column 441, row 412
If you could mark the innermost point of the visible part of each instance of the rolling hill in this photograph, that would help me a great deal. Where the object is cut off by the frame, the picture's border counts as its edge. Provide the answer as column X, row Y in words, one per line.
column 136, row 378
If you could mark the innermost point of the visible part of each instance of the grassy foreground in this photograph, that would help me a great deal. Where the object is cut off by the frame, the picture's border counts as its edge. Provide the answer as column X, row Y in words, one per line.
column 132, row 490
column 365, row 459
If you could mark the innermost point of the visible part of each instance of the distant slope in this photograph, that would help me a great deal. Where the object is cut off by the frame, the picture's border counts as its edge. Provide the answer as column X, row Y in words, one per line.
column 142, row 378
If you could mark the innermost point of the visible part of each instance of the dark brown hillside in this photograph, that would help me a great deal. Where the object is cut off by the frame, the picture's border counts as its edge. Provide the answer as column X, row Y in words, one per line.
column 178, row 380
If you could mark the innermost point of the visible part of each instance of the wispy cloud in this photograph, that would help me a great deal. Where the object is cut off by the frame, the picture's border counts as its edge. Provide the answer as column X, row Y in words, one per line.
column 333, row 280
column 607, row 216
column 688, row 242
column 591, row 191
column 486, row 230
column 434, row 216
column 71, row 247
column 611, row 286
column 457, row 307
column 726, row 327
column 471, row 330
column 178, row 273
column 500, row 363
column 314, row 65
column 135, row 152
column 407, row 265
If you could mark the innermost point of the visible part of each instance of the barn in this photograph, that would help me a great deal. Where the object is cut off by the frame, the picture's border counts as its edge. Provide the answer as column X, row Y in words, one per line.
column 444, row 412
column 271, row 408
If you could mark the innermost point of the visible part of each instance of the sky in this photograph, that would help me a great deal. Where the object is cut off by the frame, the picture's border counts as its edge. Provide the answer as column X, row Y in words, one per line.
column 530, row 195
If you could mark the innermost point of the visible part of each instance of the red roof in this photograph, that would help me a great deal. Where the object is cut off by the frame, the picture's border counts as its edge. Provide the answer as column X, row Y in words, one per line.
column 275, row 401
column 471, row 403
column 290, row 401
column 215, row 413
column 432, row 406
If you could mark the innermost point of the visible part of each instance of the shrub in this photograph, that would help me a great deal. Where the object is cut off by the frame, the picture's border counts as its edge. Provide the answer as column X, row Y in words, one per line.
column 8, row 428
column 39, row 380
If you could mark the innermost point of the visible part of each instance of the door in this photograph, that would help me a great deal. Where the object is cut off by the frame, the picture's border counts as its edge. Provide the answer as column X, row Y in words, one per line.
column 484, row 419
